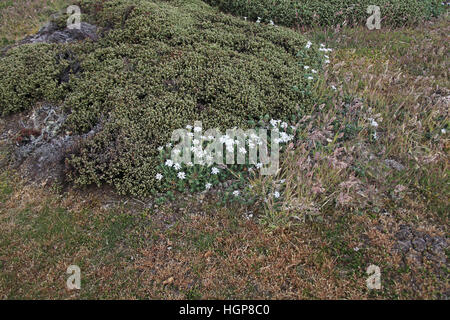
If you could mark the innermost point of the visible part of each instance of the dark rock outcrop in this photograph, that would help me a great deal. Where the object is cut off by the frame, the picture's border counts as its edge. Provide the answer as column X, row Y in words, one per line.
column 51, row 33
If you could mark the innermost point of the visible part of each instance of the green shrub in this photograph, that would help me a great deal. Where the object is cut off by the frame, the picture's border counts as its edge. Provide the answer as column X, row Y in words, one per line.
column 29, row 74
column 331, row 12
column 159, row 66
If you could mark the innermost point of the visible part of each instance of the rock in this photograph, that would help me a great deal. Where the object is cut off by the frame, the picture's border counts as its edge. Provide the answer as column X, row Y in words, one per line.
column 439, row 242
column 438, row 245
column 428, row 239
column 403, row 234
column 419, row 244
column 403, row 246
column 50, row 33
column 438, row 259
column 415, row 258
column 394, row 164
column 41, row 146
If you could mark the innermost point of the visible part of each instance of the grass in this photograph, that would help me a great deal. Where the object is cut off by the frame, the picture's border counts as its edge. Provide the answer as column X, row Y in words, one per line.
column 342, row 203
column 22, row 17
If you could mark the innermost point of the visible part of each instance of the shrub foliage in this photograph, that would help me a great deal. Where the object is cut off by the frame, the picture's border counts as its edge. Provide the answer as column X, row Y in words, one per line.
column 158, row 66
column 331, row 12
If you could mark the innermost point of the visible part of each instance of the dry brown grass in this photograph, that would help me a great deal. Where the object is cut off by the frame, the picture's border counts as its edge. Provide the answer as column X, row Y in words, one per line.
column 19, row 18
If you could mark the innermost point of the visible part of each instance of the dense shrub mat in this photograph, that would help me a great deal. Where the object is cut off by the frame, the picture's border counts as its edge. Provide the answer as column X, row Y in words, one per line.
column 158, row 66
column 331, row 12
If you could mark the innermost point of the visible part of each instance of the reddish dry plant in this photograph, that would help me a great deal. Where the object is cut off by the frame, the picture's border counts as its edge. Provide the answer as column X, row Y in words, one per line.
column 27, row 133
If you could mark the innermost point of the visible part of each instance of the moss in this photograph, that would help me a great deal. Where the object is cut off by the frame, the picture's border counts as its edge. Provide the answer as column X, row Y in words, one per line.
column 159, row 66
column 331, row 12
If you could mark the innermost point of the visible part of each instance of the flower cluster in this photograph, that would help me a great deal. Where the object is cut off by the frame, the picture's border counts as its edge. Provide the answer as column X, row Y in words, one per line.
column 203, row 174
column 325, row 57
column 374, row 125
column 259, row 20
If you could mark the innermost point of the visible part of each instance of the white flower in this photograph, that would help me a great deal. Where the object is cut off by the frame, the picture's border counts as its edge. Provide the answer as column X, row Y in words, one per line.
column 284, row 125
column 190, row 134
column 375, row 136
column 189, row 127
column 443, row 131
column 214, row 170
column 333, row 87
column 199, row 154
column 169, row 163
column 272, row 23
column 327, row 61
column 190, row 164
column 356, row 249
column 259, row 20
column 208, row 186
column 210, row 138
column 160, row 148
column 177, row 166
column 273, row 122
column 306, row 67
column 159, row 176
column 242, row 150
column 176, row 151
column 251, row 145
column 169, row 145
column 259, row 165
column 195, row 142
column 314, row 71
column 276, row 194
column 308, row 45
column 236, row 193
column 373, row 123
column 282, row 181
column 284, row 137
column 197, row 129
column 181, row 175
column 310, row 78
